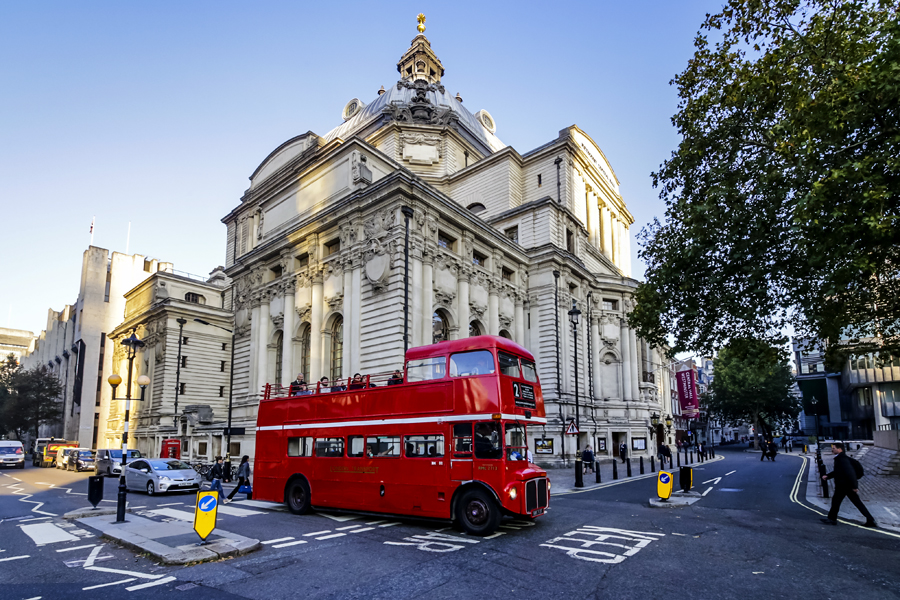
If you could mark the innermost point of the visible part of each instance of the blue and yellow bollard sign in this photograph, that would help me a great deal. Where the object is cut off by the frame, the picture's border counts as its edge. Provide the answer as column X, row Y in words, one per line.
column 205, row 513
column 664, row 485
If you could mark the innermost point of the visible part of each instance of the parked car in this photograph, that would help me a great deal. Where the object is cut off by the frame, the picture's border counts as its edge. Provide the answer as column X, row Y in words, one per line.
column 62, row 458
column 12, row 454
column 80, row 459
column 154, row 475
column 109, row 460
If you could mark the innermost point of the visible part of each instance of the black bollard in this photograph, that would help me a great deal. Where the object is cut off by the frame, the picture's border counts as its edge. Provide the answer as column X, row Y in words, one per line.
column 691, row 461
column 678, row 455
column 712, row 451
column 628, row 466
column 597, row 470
column 824, row 483
column 642, row 465
column 579, row 472
column 670, row 462
column 615, row 469
column 652, row 465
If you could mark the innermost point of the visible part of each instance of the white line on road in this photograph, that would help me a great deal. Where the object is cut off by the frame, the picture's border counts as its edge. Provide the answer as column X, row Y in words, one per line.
column 333, row 535
column 375, row 522
column 316, row 533
column 346, row 528
column 170, row 504
column 708, row 490
column 284, row 539
column 389, row 524
column 35, row 519
column 286, row 544
column 238, row 512
column 150, row 584
column 363, row 529
column 714, row 481
column 76, row 548
column 47, row 533
column 124, row 572
column 92, row 557
column 729, row 473
column 17, row 479
column 94, row 587
column 14, row 558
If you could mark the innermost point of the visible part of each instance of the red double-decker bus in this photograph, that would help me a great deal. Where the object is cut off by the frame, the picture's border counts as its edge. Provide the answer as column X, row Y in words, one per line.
column 447, row 440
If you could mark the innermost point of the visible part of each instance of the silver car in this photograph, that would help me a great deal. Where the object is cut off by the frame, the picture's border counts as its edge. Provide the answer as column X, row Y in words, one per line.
column 109, row 461
column 154, row 475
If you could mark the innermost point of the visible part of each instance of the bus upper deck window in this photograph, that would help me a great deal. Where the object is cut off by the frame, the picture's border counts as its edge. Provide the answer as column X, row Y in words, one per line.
column 509, row 364
column 426, row 369
column 477, row 362
column 528, row 371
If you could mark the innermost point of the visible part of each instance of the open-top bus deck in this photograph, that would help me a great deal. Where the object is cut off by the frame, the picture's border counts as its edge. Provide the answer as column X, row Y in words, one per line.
column 448, row 440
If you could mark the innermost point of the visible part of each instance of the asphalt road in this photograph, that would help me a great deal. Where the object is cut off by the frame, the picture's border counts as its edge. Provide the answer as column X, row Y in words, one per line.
column 747, row 537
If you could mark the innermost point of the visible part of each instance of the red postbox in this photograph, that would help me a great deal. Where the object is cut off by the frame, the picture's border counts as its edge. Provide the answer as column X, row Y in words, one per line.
column 171, row 449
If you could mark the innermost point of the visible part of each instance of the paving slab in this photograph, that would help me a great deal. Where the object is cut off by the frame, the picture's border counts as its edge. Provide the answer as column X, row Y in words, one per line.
column 172, row 543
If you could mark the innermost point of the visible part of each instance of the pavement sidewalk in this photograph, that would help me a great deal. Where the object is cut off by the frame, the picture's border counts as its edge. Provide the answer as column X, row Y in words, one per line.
column 172, row 542
column 881, row 495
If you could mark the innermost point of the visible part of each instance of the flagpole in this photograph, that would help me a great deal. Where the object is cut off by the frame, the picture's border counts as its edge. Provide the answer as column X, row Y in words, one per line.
column 92, row 229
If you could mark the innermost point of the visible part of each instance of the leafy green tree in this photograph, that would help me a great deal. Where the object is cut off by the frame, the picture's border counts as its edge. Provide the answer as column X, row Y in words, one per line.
column 753, row 384
column 29, row 398
column 783, row 196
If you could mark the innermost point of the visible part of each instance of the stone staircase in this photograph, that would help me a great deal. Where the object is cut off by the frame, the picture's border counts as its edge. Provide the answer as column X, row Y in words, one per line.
column 878, row 461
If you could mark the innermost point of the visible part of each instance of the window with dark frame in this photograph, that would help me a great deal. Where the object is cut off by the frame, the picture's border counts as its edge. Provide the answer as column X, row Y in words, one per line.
column 445, row 241
column 183, row 361
column 332, row 247
column 221, row 391
column 478, row 258
column 222, row 366
column 512, row 234
column 182, row 388
column 192, row 297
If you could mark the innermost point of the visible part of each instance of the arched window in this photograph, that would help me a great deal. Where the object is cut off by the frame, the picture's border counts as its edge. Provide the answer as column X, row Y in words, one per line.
column 279, row 352
column 337, row 348
column 475, row 329
column 440, row 328
column 477, row 207
column 304, row 354
column 505, row 334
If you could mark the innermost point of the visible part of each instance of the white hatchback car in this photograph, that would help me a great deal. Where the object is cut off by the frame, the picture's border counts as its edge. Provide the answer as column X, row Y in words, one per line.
column 154, row 475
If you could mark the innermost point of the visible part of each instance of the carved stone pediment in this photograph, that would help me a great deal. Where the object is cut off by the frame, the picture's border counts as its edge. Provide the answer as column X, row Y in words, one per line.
column 444, row 298
column 420, row 148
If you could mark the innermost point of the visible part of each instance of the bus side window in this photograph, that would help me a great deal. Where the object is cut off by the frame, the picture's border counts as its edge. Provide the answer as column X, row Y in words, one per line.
column 462, row 440
column 299, row 446
column 330, row 447
column 356, row 446
column 424, row 446
column 509, row 364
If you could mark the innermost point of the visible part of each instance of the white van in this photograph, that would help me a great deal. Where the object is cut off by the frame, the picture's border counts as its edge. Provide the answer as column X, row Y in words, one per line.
column 12, row 454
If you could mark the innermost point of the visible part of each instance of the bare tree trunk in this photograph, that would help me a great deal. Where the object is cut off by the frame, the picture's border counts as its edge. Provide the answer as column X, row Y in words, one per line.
column 758, row 431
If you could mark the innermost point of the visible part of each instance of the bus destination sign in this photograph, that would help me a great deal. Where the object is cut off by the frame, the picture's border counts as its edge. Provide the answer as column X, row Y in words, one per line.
column 523, row 394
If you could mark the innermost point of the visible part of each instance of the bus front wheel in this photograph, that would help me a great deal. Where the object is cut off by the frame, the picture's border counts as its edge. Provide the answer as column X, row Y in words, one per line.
column 297, row 497
column 478, row 513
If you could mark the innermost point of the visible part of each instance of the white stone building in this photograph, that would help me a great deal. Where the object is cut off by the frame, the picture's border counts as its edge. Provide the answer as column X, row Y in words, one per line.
column 189, row 382
column 15, row 341
column 501, row 243
column 76, row 346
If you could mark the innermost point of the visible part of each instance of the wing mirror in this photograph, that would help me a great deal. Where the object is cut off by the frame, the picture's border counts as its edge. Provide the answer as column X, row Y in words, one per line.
column 145, row 470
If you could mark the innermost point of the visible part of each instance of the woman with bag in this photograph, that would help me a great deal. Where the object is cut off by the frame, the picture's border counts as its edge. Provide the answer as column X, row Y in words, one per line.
column 243, row 475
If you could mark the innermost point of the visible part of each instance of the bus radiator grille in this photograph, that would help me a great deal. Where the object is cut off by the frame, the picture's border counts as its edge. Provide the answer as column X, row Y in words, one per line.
column 542, row 493
column 531, row 495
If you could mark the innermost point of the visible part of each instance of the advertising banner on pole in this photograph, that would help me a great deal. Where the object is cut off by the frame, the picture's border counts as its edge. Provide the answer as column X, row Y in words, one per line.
column 687, row 394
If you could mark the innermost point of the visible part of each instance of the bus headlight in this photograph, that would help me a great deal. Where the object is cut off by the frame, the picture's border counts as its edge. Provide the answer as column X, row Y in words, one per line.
column 513, row 493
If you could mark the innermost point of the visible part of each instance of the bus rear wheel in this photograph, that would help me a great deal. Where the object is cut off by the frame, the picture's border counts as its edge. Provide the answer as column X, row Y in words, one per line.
column 478, row 513
column 297, row 497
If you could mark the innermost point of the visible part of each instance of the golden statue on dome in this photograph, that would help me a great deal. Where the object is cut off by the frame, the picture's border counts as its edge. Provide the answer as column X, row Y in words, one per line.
column 421, row 25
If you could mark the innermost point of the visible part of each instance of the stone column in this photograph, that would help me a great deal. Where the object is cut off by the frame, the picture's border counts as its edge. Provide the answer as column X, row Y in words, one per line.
column 620, row 246
column 462, row 302
column 626, row 361
column 606, row 234
column 595, row 219
column 287, row 337
column 356, row 323
column 493, row 308
column 520, row 320
column 635, row 371
column 625, row 248
column 262, row 344
column 315, row 329
column 427, row 323
column 595, row 356
column 349, row 317
column 254, row 345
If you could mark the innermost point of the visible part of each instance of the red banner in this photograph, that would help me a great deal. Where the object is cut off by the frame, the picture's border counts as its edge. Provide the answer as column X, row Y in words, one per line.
column 687, row 394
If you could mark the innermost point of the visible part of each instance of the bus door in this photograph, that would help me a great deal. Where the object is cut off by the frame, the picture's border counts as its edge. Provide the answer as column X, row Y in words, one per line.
column 425, row 487
column 330, row 472
column 488, row 445
column 461, row 455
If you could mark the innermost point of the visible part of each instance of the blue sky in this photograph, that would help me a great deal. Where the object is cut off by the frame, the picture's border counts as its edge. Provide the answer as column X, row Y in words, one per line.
column 157, row 112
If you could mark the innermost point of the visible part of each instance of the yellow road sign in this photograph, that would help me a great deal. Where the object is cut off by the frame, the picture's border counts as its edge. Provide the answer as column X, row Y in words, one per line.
column 664, row 485
column 205, row 512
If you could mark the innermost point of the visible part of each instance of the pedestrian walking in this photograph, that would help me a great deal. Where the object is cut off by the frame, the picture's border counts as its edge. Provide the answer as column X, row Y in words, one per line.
column 243, row 475
column 773, row 450
column 623, row 451
column 587, row 459
column 215, row 476
column 846, row 485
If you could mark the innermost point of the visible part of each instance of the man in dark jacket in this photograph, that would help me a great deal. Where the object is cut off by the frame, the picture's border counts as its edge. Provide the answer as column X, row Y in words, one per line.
column 845, row 486
column 587, row 459
column 773, row 450
column 623, row 451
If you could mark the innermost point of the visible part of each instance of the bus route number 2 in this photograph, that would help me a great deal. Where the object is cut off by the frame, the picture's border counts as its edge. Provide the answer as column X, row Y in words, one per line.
column 523, row 394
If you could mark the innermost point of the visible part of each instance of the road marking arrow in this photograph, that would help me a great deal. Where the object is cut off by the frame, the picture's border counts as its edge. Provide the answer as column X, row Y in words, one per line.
column 714, row 481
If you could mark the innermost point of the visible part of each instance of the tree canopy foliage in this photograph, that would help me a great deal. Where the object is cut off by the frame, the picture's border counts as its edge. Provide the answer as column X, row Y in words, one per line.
column 29, row 398
column 782, row 197
column 753, row 384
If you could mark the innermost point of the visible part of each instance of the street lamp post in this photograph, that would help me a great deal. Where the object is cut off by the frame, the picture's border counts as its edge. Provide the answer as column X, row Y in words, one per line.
column 133, row 344
column 574, row 317
column 181, row 322
column 813, row 401
column 227, row 465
